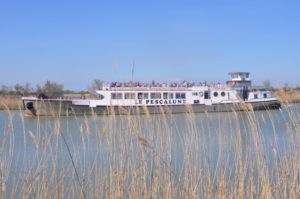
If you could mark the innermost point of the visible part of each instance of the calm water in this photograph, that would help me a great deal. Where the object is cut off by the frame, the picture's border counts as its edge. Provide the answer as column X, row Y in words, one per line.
column 215, row 139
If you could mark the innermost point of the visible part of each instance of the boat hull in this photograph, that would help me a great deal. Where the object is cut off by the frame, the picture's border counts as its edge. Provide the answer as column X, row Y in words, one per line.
column 41, row 107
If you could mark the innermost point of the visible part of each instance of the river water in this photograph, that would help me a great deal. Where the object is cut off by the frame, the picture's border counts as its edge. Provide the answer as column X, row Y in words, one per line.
column 215, row 142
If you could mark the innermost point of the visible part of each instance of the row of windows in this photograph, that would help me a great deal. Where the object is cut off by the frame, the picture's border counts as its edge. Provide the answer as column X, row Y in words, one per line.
column 264, row 96
column 161, row 95
column 196, row 94
column 146, row 95
column 216, row 94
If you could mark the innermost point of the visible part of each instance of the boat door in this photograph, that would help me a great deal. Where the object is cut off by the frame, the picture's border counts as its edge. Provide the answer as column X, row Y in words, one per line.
column 207, row 99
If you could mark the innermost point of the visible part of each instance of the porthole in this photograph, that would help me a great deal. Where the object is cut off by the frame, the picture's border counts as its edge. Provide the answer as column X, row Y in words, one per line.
column 223, row 94
column 215, row 94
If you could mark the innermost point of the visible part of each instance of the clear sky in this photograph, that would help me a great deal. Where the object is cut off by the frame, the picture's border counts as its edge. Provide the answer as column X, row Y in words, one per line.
column 74, row 42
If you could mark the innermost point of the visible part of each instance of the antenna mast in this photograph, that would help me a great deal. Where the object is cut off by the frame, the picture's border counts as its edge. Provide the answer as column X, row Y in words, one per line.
column 132, row 72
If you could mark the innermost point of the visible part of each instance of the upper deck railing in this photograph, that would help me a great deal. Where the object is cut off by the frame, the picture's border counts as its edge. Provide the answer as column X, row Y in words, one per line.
column 156, row 86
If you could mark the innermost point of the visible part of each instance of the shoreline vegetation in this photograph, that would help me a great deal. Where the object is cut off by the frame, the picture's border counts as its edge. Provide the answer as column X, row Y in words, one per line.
column 288, row 96
column 14, row 102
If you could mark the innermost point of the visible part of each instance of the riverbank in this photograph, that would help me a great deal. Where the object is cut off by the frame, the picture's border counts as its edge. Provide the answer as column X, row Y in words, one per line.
column 14, row 102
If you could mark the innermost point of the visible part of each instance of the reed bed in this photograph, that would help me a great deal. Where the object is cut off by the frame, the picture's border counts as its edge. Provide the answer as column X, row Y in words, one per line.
column 151, row 156
column 8, row 102
column 288, row 97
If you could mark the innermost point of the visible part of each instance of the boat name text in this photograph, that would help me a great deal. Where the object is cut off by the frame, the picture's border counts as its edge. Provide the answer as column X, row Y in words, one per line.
column 160, row 102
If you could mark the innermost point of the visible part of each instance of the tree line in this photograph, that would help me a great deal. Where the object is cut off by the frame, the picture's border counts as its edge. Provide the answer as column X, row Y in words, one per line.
column 49, row 88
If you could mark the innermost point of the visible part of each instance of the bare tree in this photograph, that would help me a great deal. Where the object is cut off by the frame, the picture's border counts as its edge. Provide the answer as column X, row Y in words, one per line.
column 267, row 84
column 38, row 89
column 97, row 84
column 286, row 86
column 19, row 89
column 53, row 89
column 27, row 89
column 4, row 90
column 23, row 90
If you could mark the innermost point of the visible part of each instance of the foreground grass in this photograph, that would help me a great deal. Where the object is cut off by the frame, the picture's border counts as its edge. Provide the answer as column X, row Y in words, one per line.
column 188, row 155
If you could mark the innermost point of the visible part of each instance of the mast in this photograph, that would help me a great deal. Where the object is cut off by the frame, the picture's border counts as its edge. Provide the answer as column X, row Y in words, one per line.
column 132, row 72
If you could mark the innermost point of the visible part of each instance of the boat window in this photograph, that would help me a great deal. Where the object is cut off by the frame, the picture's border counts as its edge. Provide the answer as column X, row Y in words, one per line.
column 146, row 95
column 165, row 95
column 201, row 94
column 143, row 96
column 215, row 94
column 255, row 96
column 180, row 95
column 195, row 94
column 155, row 95
column 100, row 96
column 129, row 95
column 206, row 95
column 116, row 96
column 168, row 95
column 140, row 95
column 223, row 94
column 265, row 95
column 171, row 95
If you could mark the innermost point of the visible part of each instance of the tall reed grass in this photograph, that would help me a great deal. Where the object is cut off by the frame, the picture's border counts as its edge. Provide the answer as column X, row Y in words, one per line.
column 290, row 96
column 8, row 102
column 227, row 155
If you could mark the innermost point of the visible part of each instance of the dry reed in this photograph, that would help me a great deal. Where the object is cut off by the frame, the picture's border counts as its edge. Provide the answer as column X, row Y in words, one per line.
column 8, row 102
column 288, row 97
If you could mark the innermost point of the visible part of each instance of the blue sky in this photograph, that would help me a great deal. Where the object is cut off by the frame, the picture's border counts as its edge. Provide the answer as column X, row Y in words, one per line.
column 74, row 42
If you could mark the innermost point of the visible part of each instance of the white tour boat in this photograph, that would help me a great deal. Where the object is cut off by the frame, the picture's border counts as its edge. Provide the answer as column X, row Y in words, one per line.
column 126, row 98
